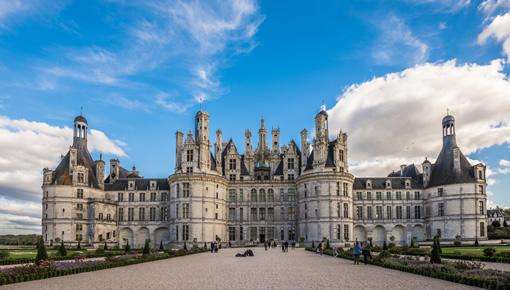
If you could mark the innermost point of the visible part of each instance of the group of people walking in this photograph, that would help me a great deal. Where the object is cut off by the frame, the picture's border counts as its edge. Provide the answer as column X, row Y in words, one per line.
column 215, row 247
column 284, row 244
column 362, row 249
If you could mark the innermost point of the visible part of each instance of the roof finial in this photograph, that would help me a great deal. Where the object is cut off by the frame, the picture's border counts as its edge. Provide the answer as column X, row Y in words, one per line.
column 447, row 112
column 81, row 111
column 323, row 106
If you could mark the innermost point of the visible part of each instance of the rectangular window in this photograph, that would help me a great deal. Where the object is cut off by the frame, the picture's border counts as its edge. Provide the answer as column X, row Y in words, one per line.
column 253, row 214
column 291, row 213
column 408, row 195
column 152, row 213
column 232, row 164
column 417, row 195
column 291, row 194
column 290, row 163
column 290, row 176
column 241, row 214
column 153, row 196
column 480, row 189
column 398, row 210
column 417, row 212
column 369, row 212
column 163, row 213
column 440, row 191
column 378, row 212
column 346, row 232
column 121, row 214
column 359, row 212
column 185, row 189
column 346, row 189
column 232, row 177
column 398, row 195
column 141, row 214
column 378, row 195
column 481, row 208
column 369, row 195
column 185, row 210
column 79, row 193
column 270, row 213
column 185, row 232
column 79, row 216
column 482, row 229
column 388, row 195
column 440, row 209
column 131, row 196
column 164, row 196
column 408, row 212
column 262, row 214
column 232, row 195
column 142, row 196
column 120, row 196
column 231, row 233
column 241, row 233
column 346, row 210
column 389, row 214
column 79, row 206
column 341, row 155
column 338, row 233
column 359, row 196
column 189, row 155
column 131, row 214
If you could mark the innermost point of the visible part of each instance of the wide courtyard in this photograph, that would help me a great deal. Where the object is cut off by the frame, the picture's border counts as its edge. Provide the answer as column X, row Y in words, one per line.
column 296, row 269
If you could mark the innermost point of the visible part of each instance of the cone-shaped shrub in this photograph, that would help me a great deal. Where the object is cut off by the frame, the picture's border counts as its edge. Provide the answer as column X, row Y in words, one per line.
column 62, row 250
column 41, row 251
column 146, row 248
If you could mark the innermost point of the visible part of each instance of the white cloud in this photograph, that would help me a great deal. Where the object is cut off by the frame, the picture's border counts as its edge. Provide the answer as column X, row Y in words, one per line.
column 396, row 119
column 499, row 28
column 504, row 167
column 27, row 147
column 449, row 6
column 397, row 43
column 490, row 7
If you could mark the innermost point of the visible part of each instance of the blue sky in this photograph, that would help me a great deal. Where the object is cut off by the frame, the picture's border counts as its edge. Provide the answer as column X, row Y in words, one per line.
column 386, row 70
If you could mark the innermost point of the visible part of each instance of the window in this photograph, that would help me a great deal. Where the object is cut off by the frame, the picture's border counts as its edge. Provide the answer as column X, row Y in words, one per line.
column 189, row 155
column 108, row 217
column 189, row 169
column 369, row 212
column 378, row 195
column 346, row 189
column 232, row 164
column 215, row 215
column 100, row 216
column 408, row 195
column 231, row 233
column 232, row 177
column 346, row 232
column 163, row 213
column 270, row 195
column 177, row 190
column 341, row 155
column 79, row 227
column 359, row 212
column 185, row 210
column 153, row 196
column 120, row 196
column 152, row 214
column 177, row 210
column 482, row 229
column 270, row 213
column 164, row 196
column 79, row 216
column 416, row 195
column 79, row 206
column 81, row 178
column 232, row 195
column 79, row 193
column 359, row 196
column 408, row 212
column 369, row 195
column 388, row 195
column 185, row 232
column 241, row 195
column 262, row 195
column 346, row 210
column 378, row 212
column 253, row 195
column 185, row 189
column 241, row 214
column 398, row 210
column 480, row 174
column 480, row 189
column 142, row 196
column 338, row 233
column 440, row 191
column 480, row 205
column 232, row 213
column 262, row 214
column 290, row 163
column 417, row 212
column 440, row 209
column 241, row 233
column 389, row 214
column 253, row 214
column 131, row 214
column 141, row 214
column 290, row 176
column 131, row 196
column 291, row 213
column 291, row 194
column 121, row 214
column 398, row 195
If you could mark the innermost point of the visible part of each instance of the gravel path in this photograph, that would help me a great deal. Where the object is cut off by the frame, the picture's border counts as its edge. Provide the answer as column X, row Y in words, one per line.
column 270, row 269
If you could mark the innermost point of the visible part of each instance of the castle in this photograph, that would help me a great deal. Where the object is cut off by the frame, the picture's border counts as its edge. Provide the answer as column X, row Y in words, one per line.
column 296, row 192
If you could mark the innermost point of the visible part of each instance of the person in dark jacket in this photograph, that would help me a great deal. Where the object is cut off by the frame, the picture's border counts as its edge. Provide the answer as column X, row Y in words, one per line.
column 366, row 252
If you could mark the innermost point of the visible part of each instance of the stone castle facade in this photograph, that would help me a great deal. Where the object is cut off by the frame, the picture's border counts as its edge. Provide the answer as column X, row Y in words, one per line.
column 269, row 192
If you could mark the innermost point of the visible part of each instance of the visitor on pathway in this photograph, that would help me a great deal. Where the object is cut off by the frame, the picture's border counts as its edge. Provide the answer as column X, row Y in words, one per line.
column 212, row 247
column 366, row 252
column 265, row 246
column 283, row 247
column 357, row 253
column 286, row 246
column 293, row 245
column 320, row 248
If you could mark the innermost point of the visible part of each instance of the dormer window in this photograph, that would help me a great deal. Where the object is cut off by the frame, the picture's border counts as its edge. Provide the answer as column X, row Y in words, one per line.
column 369, row 184
column 131, row 184
column 189, row 155
column 81, row 177
column 153, row 184
column 341, row 155
column 480, row 174
column 232, row 164
column 408, row 184
column 290, row 163
column 388, row 184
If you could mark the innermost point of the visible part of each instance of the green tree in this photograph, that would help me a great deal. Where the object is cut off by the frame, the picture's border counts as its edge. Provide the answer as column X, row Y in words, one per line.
column 41, row 251
column 146, row 247
column 127, row 248
column 62, row 250
column 161, row 248
column 489, row 252
column 435, row 254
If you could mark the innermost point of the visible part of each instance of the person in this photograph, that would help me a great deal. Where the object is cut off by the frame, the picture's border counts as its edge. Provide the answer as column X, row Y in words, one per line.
column 366, row 252
column 212, row 247
column 357, row 253
column 283, row 247
column 265, row 246
column 323, row 246
column 293, row 245
column 286, row 246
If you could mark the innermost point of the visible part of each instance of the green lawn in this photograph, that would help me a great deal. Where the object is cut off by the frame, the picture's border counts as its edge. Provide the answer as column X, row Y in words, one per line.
column 31, row 253
column 473, row 251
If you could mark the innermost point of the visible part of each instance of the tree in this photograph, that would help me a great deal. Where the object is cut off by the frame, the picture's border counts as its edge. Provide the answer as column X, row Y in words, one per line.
column 41, row 251
column 435, row 254
column 62, row 250
column 146, row 247
column 127, row 248
column 161, row 248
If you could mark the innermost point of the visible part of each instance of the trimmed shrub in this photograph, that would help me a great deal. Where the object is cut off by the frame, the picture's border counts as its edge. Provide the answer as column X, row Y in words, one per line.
column 127, row 248
column 4, row 254
column 161, row 248
column 41, row 251
column 457, row 242
column 489, row 252
column 384, row 246
column 78, row 247
column 146, row 248
column 62, row 251
column 435, row 254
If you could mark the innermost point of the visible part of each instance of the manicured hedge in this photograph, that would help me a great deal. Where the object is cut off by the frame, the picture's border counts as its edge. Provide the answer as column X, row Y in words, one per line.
column 37, row 273
column 467, row 280
column 72, row 256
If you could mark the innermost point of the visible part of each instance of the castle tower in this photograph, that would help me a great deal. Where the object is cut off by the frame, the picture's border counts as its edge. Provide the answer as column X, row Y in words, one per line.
column 320, row 149
column 449, row 131
column 262, row 136
column 304, row 148
column 275, row 148
column 202, row 140
column 80, row 132
column 218, row 148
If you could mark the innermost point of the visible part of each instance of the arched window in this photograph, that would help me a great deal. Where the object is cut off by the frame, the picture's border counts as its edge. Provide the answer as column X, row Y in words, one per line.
column 253, row 195
column 270, row 195
column 262, row 195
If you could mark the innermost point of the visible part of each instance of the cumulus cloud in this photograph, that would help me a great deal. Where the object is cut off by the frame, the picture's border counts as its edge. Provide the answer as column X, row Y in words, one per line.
column 499, row 29
column 397, row 44
column 490, row 7
column 27, row 147
column 396, row 119
column 504, row 166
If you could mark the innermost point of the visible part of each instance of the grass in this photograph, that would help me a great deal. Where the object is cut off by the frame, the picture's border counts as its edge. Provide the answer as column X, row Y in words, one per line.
column 31, row 253
column 473, row 251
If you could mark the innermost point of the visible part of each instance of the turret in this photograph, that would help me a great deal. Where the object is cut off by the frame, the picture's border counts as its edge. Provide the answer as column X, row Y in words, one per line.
column 449, row 131
column 276, row 140
column 262, row 136
column 100, row 172
column 202, row 140
column 304, row 148
column 427, row 171
column 247, row 142
column 320, row 149
column 218, row 148
column 80, row 132
column 179, row 140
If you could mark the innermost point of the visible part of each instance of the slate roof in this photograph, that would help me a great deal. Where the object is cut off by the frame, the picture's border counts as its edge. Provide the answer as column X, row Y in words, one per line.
column 330, row 160
column 442, row 170
column 140, row 184
column 380, row 182
column 62, row 175
column 80, row 118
